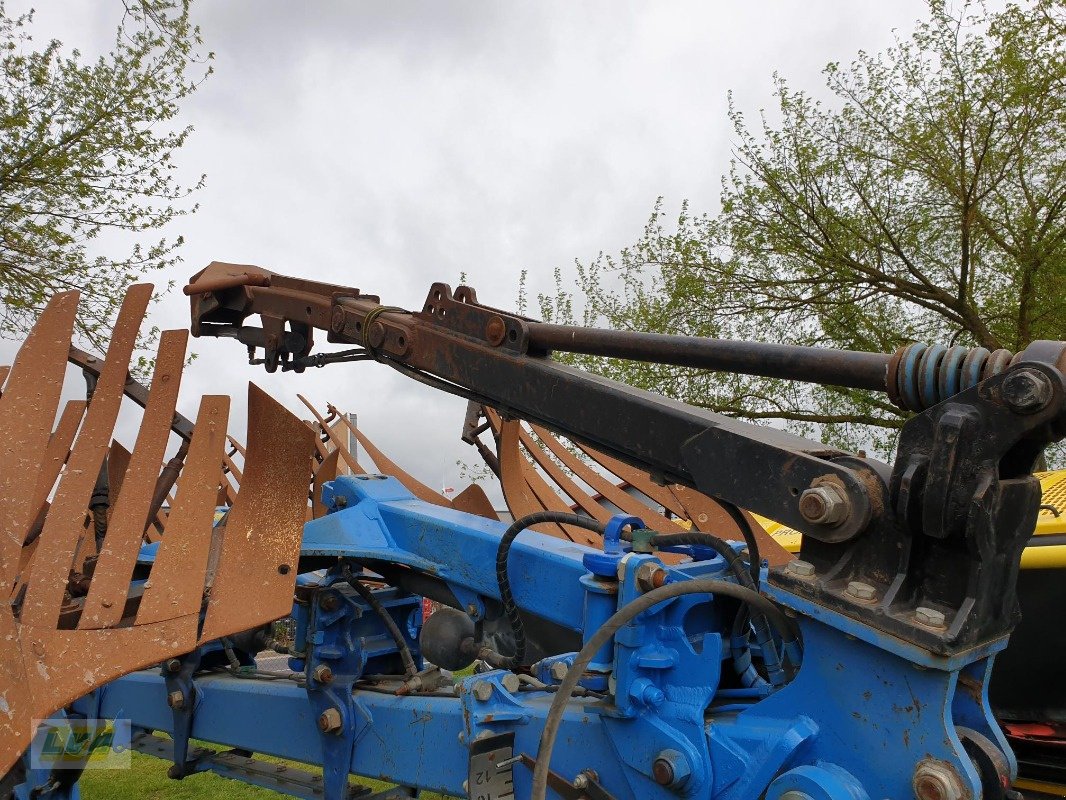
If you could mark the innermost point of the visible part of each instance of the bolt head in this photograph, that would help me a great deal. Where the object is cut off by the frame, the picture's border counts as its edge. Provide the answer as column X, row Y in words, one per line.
column 929, row 617
column 800, row 568
column 173, row 665
column 558, row 670
column 328, row 601
column 483, row 691
column 1026, row 391
column 323, row 674
column 936, row 780
column 511, row 682
column 330, row 721
column 581, row 781
column 861, row 591
column 671, row 768
column 471, row 609
column 495, row 331
column 176, row 700
column 663, row 772
column 823, row 505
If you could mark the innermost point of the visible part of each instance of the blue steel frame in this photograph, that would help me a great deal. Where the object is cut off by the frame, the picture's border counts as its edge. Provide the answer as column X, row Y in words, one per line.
column 861, row 714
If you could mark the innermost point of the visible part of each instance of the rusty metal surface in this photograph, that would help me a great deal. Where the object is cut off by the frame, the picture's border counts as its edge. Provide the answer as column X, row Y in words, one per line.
column 64, row 523
column 177, row 582
column 107, row 595
column 35, row 383
column 386, row 465
column 332, row 430
column 265, row 524
column 69, row 632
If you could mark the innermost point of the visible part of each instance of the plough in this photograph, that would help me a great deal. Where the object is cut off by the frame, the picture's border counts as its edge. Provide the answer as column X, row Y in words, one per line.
column 642, row 651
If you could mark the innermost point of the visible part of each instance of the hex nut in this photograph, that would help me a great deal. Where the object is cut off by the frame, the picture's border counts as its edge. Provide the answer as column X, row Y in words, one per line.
column 176, row 700
column 1026, row 391
column 323, row 674
column 511, row 682
column 861, row 591
column 173, row 665
column 483, row 691
column 328, row 601
column 824, row 505
column 330, row 721
column 800, row 568
column 936, row 780
column 581, row 781
column 558, row 670
column 929, row 617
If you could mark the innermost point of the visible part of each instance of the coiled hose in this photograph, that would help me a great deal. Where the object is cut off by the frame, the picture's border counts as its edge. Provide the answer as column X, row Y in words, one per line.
column 510, row 607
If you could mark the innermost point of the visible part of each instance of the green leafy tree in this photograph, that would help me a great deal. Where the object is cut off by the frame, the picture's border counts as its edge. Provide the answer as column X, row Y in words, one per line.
column 86, row 161
column 925, row 202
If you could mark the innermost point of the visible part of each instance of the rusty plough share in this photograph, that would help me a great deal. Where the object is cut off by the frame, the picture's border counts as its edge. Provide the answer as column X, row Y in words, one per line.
column 76, row 619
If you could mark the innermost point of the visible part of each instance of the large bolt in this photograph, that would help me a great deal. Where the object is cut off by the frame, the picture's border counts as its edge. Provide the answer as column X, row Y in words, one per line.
column 173, row 665
column 483, row 690
column 936, row 780
column 511, row 682
column 558, row 670
column 581, row 781
column 328, row 601
column 176, row 700
column 929, row 617
column 800, row 568
column 823, row 505
column 861, row 591
column 495, row 331
column 670, row 768
column 1026, row 391
column 330, row 721
column 323, row 674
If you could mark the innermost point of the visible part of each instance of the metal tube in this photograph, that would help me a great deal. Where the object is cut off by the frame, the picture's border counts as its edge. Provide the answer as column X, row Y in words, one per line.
column 849, row 368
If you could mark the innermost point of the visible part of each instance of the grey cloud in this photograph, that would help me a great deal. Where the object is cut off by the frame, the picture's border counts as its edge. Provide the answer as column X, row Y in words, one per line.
column 387, row 145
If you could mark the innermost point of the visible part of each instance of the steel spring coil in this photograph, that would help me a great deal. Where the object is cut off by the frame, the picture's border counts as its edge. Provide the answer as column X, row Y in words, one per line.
column 922, row 375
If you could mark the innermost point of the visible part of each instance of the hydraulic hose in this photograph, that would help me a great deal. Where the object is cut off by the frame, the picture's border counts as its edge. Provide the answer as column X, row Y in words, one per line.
column 760, row 624
column 390, row 624
column 510, row 607
column 615, row 623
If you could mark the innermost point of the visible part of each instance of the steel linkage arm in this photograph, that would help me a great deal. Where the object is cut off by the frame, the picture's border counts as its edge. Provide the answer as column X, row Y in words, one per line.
column 941, row 530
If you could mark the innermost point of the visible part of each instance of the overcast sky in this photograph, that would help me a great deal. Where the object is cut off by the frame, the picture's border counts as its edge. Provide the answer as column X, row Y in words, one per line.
column 388, row 145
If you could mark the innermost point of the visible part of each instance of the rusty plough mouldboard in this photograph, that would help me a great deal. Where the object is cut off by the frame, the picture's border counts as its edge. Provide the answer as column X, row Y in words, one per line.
column 76, row 618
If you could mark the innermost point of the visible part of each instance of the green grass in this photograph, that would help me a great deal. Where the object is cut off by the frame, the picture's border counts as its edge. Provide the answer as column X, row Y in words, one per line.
column 147, row 778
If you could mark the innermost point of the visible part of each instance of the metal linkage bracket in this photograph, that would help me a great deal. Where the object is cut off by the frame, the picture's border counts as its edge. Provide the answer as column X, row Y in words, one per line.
column 939, row 565
column 182, row 697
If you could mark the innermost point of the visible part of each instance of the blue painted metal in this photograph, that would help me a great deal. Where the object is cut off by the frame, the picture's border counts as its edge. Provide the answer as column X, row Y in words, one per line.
column 861, row 713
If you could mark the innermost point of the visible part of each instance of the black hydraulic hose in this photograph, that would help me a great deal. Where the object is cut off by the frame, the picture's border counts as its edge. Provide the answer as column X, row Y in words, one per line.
column 390, row 624
column 720, row 546
column 510, row 607
column 615, row 623
column 736, row 564
column 754, row 559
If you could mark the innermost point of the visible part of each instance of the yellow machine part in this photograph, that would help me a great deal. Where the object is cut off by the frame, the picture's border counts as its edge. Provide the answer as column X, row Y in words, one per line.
column 1050, row 522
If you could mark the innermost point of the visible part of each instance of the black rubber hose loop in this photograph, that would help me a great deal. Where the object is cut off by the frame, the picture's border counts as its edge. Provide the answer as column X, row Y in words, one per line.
column 510, row 607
